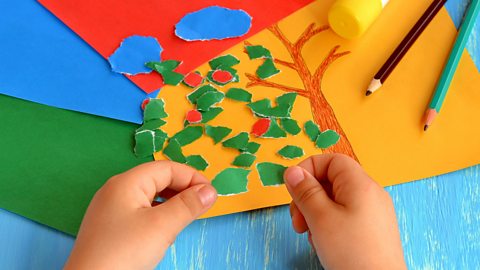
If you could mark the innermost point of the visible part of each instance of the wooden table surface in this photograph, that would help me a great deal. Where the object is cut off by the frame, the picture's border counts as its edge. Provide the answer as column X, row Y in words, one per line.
column 439, row 220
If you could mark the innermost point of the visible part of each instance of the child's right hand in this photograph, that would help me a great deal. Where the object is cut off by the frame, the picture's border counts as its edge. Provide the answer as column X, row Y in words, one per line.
column 350, row 218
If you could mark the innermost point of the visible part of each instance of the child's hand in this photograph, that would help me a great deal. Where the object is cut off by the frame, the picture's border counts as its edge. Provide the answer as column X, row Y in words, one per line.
column 121, row 229
column 350, row 218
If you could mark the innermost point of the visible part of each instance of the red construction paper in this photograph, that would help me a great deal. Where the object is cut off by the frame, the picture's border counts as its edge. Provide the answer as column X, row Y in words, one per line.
column 222, row 76
column 193, row 116
column 261, row 127
column 193, row 79
column 105, row 23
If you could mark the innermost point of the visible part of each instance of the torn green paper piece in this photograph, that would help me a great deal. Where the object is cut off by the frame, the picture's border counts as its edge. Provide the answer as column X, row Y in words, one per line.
column 252, row 147
column 312, row 130
column 291, row 152
column 159, row 139
column 155, row 109
column 290, row 126
column 257, row 51
column 217, row 133
column 263, row 107
column 197, row 162
column 188, row 135
column 209, row 99
column 239, row 141
column 239, row 94
column 327, row 138
column 148, row 142
column 223, row 61
column 271, row 174
column 244, row 160
column 151, row 125
column 165, row 68
column 274, row 131
column 174, row 152
column 211, row 114
column 267, row 69
column 193, row 96
column 231, row 181
column 287, row 99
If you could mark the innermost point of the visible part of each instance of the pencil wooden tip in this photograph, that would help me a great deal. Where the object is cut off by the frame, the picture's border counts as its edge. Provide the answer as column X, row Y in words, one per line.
column 429, row 117
column 425, row 127
column 368, row 93
column 375, row 84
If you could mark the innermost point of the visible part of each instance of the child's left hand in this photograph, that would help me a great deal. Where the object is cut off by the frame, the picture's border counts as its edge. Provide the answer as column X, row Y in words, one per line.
column 122, row 230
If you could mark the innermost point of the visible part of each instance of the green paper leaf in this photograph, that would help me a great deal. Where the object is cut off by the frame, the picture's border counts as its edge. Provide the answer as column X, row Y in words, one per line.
column 267, row 69
column 291, row 152
column 197, row 162
column 152, row 125
column 244, row 160
column 210, row 114
column 217, row 133
column 263, row 108
column 193, row 96
column 239, row 141
column 252, row 147
column 144, row 145
column 312, row 130
column 165, row 68
column 188, row 135
column 287, row 99
column 174, row 152
column 209, row 99
column 155, row 109
column 290, row 126
column 274, row 131
column 239, row 94
column 231, row 181
column 258, row 51
column 327, row 138
column 223, row 62
column 159, row 139
column 271, row 174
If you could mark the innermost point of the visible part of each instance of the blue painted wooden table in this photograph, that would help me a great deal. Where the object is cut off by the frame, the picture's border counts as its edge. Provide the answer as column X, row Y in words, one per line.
column 439, row 220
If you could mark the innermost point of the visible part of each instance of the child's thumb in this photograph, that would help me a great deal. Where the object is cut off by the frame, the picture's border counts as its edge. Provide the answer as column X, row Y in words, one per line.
column 307, row 193
column 183, row 208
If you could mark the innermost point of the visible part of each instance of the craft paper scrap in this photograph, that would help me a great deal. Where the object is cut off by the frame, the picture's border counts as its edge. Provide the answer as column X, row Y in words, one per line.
column 213, row 23
column 217, row 133
column 231, row 181
column 244, row 160
column 239, row 94
column 188, row 135
column 166, row 70
column 174, row 151
column 320, row 112
column 252, row 147
column 291, row 152
column 197, row 162
column 133, row 53
column 193, row 79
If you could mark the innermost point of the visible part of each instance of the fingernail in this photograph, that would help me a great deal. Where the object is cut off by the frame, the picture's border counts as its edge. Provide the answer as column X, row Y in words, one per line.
column 207, row 195
column 294, row 176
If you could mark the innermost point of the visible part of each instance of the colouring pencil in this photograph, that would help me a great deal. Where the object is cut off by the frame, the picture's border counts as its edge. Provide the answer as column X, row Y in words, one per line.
column 451, row 66
column 404, row 46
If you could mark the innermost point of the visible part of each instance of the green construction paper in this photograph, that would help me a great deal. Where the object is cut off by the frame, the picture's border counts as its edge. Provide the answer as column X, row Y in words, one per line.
column 193, row 96
column 52, row 168
column 224, row 61
column 271, row 174
column 174, row 151
column 188, row 135
column 274, row 131
column 312, row 130
column 252, row 147
column 267, row 69
column 217, row 133
column 244, row 160
column 231, row 181
column 210, row 114
column 327, row 138
column 197, row 162
column 159, row 138
column 290, row 126
column 144, row 145
column 291, row 152
column 155, row 109
column 151, row 125
column 209, row 99
column 263, row 107
column 165, row 68
column 258, row 51
column 239, row 141
column 239, row 94
column 287, row 100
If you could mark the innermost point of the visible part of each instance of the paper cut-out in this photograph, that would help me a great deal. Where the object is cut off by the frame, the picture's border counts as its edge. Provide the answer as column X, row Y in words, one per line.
column 271, row 174
column 274, row 131
column 261, row 127
column 193, row 116
column 291, row 152
column 231, row 181
column 252, row 147
column 263, row 107
column 290, row 126
column 327, row 138
column 257, row 51
column 312, row 130
column 155, row 109
column 267, row 69
column 148, row 142
column 213, row 23
column 209, row 99
column 238, row 142
column 211, row 114
column 151, row 125
column 188, row 135
column 217, row 133
column 221, row 77
column 193, row 96
column 166, row 70
column 239, row 94
column 197, row 162
column 244, row 160
column 133, row 53
column 193, row 79
column 173, row 151
column 224, row 61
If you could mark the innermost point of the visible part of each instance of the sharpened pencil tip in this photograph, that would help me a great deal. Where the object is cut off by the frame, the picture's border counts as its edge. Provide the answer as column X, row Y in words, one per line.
column 368, row 93
column 425, row 127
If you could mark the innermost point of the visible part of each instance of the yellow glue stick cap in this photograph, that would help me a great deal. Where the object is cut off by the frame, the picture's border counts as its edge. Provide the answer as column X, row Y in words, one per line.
column 351, row 18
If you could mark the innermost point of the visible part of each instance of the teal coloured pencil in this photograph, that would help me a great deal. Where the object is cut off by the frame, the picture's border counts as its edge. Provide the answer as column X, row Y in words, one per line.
column 452, row 63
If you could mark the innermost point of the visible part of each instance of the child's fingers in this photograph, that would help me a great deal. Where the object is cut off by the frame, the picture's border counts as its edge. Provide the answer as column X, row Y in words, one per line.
column 307, row 193
column 180, row 210
column 298, row 220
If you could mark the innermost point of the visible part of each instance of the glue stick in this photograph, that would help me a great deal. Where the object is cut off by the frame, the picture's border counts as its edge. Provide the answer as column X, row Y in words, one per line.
column 351, row 18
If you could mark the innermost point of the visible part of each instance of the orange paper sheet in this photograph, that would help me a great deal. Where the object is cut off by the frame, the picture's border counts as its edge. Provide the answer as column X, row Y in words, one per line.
column 384, row 130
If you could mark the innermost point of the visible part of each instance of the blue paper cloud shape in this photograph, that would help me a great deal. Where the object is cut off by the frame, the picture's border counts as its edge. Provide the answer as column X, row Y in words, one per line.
column 213, row 23
column 133, row 53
